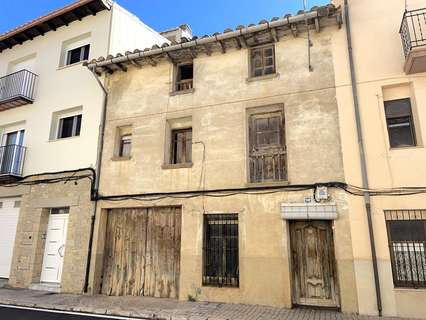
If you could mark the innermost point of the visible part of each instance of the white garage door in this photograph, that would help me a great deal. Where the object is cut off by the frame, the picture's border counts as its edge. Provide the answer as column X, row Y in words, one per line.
column 9, row 213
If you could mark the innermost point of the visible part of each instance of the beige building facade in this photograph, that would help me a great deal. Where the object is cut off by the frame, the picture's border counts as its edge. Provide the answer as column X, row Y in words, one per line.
column 219, row 150
column 391, row 94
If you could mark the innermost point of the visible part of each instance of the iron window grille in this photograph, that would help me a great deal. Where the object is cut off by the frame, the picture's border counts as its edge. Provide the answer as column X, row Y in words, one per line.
column 69, row 126
column 220, row 250
column 262, row 61
column 399, row 120
column 181, row 146
column 406, row 231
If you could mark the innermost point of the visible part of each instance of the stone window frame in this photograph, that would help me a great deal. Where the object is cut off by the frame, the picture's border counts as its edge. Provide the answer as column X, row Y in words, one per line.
column 172, row 124
column 120, row 132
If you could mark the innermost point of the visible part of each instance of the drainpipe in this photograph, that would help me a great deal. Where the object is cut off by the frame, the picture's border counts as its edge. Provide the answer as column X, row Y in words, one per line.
column 94, row 194
column 367, row 199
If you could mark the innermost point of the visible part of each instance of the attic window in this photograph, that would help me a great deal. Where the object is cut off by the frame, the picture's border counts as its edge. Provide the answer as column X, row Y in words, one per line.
column 184, row 77
column 262, row 61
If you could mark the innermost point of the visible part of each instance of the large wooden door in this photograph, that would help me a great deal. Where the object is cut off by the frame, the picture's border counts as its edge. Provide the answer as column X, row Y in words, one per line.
column 314, row 272
column 142, row 252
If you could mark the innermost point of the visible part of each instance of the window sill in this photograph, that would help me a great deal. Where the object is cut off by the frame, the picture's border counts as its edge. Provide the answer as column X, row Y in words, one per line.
column 177, row 166
column 63, row 139
column 212, row 286
column 121, row 158
column 267, row 77
column 402, row 289
column 177, row 93
column 268, row 184
column 71, row 65
column 394, row 149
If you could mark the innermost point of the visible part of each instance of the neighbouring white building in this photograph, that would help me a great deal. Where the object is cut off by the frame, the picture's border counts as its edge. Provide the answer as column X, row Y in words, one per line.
column 50, row 122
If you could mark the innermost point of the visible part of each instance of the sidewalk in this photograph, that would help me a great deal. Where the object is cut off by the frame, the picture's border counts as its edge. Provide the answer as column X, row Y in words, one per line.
column 164, row 309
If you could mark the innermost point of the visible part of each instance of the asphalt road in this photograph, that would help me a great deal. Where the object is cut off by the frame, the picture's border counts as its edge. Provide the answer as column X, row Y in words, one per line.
column 7, row 313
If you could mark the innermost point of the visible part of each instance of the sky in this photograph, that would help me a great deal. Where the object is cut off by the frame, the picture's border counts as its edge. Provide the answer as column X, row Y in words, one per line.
column 203, row 16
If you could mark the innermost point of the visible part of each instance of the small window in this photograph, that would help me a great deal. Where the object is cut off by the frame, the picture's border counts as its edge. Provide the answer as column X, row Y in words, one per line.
column 220, row 250
column 1, row 205
column 17, row 204
column 125, row 145
column 181, row 146
column 78, row 54
column 262, row 61
column 407, row 243
column 184, row 77
column 69, row 127
column 399, row 120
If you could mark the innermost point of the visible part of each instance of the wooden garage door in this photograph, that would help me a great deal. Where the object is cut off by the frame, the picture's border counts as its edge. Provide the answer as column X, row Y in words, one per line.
column 142, row 252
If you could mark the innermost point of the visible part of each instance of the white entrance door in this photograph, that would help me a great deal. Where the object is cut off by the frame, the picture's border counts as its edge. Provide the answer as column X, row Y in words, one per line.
column 54, row 249
column 9, row 213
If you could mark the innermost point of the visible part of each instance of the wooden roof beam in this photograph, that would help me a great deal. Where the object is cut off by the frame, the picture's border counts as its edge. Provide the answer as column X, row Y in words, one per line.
column 40, row 31
column 91, row 11
column 243, row 41
column 193, row 53
column 121, row 66
column 274, row 34
column 108, row 69
column 135, row 63
column 62, row 20
column 222, row 46
column 208, row 49
column 238, row 43
column 317, row 25
column 170, row 58
column 74, row 13
column 50, row 25
column 294, row 30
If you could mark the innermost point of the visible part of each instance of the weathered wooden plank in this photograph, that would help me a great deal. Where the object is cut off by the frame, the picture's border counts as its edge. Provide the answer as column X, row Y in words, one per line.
column 313, row 267
column 142, row 252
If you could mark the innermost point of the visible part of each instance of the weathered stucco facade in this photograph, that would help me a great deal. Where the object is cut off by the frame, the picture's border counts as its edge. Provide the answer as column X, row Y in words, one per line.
column 217, row 110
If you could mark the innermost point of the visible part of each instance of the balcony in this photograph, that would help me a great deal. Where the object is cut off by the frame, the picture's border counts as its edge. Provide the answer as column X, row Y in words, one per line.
column 17, row 89
column 413, row 35
column 11, row 162
column 268, row 166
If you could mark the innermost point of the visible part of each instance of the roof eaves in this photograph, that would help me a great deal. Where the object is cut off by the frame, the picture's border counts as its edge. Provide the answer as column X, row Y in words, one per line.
column 165, row 49
column 51, row 15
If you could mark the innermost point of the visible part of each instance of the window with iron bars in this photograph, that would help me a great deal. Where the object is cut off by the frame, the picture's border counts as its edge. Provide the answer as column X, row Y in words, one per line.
column 220, row 250
column 407, row 245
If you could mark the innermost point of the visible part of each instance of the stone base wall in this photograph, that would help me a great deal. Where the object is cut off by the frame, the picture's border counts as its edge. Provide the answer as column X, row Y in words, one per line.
column 36, row 202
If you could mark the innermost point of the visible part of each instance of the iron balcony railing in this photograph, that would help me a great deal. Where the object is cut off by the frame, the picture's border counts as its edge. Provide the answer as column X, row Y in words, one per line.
column 18, row 85
column 413, row 30
column 268, row 165
column 12, row 160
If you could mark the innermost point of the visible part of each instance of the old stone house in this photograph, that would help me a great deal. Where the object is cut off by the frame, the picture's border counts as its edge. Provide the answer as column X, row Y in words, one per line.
column 213, row 150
